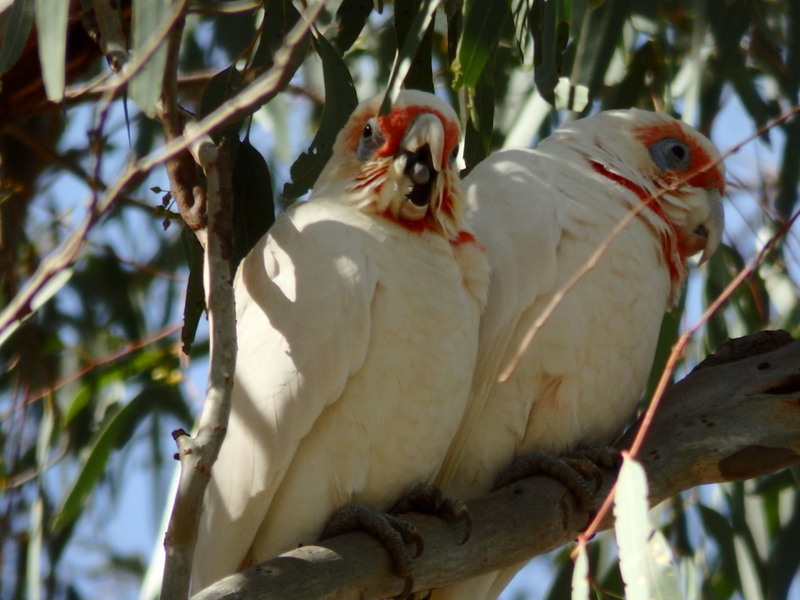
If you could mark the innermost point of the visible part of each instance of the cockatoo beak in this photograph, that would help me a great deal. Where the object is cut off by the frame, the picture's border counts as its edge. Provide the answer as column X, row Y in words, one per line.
column 421, row 152
column 714, row 224
column 427, row 130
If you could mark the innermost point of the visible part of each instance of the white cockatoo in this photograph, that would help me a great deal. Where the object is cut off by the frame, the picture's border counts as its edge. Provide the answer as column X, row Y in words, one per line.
column 541, row 214
column 357, row 322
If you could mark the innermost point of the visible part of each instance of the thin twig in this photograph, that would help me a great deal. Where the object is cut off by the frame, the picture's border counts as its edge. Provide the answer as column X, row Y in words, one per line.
column 198, row 454
column 20, row 306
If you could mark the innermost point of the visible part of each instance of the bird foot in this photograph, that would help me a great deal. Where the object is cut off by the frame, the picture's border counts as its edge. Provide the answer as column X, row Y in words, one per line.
column 393, row 533
column 428, row 499
column 575, row 470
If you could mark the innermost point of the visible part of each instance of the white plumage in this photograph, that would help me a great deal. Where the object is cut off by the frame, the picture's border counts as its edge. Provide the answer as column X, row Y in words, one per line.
column 357, row 320
column 541, row 214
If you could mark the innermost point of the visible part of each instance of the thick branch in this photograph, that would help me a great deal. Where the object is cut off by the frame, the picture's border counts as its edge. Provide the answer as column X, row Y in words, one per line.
column 723, row 423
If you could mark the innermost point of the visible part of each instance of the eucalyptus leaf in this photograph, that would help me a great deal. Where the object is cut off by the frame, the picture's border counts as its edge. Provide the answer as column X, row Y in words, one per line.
column 15, row 33
column 145, row 87
column 632, row 528
column 483, row 22
column 51, row 23
column 340, row 101
column 117, row 430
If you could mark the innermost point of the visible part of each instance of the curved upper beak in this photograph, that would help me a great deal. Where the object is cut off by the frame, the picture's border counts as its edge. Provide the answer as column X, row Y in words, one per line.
column 426, row 129
column 714, row 225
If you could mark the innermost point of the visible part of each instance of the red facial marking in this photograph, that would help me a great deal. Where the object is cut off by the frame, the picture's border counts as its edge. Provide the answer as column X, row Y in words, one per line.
column 668, row 242
column 703, row 172
column 394, row 125
column 415, row 226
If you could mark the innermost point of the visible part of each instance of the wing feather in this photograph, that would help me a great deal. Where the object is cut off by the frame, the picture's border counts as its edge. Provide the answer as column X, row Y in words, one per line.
column 303, row 298
column 521, row 240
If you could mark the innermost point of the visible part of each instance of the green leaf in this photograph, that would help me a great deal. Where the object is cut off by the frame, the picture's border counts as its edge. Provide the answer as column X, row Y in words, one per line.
column 483, row 23
column 721, row 531
column 580, row 576
column 751, row 587
column 34, row 571
column 195, row 303
column 351, row 16
column 632, row 528
column 718, row 277
column 478, row 134
column 16, row 31
column 789, row 175
column 51, row 23
column 420, row 72
column 600, row 32
column 253, row 206
column 340, row 102
column 405, row 56
column 222, row 87
column 670, row 329
column 784, row 557
column 115, row 432
column 550, row 33
column 145, row 88
column 662, row 575
column 562, row 582
column 279, row 17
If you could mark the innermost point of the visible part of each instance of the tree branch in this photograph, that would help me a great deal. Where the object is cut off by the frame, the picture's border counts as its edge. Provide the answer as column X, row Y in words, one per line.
column 727, row 422
column 197, row 454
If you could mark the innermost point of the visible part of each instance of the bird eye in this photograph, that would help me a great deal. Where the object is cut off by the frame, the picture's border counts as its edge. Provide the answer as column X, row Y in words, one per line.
column 371, row 140
column 671, row 154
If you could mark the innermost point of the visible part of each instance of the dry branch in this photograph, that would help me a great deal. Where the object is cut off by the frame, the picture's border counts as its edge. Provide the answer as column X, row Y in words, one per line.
column 727, row 422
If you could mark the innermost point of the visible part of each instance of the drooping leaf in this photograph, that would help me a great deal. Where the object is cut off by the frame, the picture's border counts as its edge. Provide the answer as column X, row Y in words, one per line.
column 662, row 575
column 478, row 134
column 51, row 23
column 405, row 55
column 483, row 22
column 253, row 206
column 580, row 576
column 748, row 572
column 340, row 101
column 223, row 86
column 114, row 434
column 562, row 582
column 351, row 16
column 789, row 176
column 234, row 32
column 420, row 71
column 718, row 527
column 195, row 303
column 670, row 329
column 15, row 33
column 279, row 18
column 550, row 30
column 147, row 18
column 784, row 558
column 599, row 34
column 632, row 528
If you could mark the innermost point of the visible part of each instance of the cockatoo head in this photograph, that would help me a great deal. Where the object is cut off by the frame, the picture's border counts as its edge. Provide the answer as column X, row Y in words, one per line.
column 671, row 167
column 401, row 165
